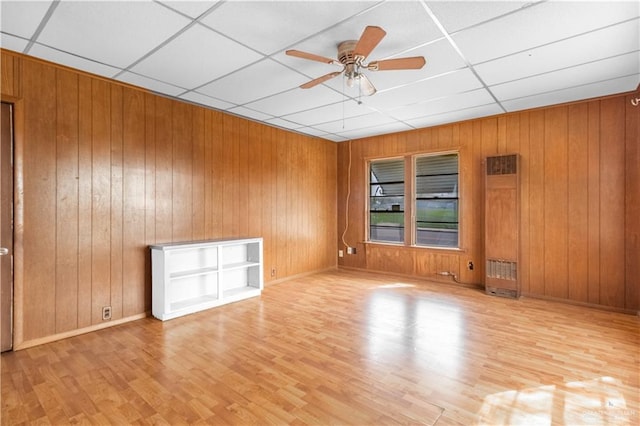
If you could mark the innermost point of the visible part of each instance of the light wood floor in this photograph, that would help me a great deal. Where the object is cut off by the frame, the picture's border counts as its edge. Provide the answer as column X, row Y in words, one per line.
column 341, row 348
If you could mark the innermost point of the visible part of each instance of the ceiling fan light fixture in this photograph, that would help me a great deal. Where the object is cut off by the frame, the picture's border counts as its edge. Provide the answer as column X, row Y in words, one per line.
column 365, row 85
column 350, row 74
column 350, row 80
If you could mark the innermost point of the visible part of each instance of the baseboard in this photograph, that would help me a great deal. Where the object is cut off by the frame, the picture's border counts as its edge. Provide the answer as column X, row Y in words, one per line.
column 301, row 275
column 581, row 304
column 71, row 333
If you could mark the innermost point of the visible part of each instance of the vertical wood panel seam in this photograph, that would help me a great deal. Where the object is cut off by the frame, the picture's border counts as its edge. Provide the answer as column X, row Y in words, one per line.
column 55, row 215
column 79, row 204
column 122, row 202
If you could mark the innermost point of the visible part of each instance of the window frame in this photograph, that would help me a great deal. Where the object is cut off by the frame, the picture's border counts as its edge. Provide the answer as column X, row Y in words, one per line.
column 410, row 200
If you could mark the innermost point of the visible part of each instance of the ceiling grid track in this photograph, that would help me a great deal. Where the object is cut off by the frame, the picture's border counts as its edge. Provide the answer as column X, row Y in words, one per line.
column 453, row 44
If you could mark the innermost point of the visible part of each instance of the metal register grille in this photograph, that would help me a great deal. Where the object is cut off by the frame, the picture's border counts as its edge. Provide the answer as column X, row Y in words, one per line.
column 502, row 165
column 502, row 269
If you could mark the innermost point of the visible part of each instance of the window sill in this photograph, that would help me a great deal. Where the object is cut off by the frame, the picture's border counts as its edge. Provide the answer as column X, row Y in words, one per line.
column 416, row 247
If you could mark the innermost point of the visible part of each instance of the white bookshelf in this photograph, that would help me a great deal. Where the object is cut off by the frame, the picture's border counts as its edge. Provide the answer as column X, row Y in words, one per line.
column 192, row 276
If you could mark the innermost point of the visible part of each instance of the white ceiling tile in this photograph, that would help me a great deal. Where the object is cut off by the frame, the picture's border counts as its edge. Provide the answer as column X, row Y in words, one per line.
column 196, row 57
column 22, row 18
column 73, row 61
column 254, row 82
column 270, row 26
column 114, row 33
column 148, row 83
column 460, row 101
column 455, row 116
column 12, row 43
column 437, row 87
column 619, row 66
column 376, row 130
column 618, row 85
column 353, row 123
column 441, row 57
column 192, row 9
column 456, row 15
column 206, row 101
column 296, row 100
column 346, row 108
column 246, row 112
column 312, row 131
column 285, row 124
column 540, row 24
column 604, row 43
column 335, row 138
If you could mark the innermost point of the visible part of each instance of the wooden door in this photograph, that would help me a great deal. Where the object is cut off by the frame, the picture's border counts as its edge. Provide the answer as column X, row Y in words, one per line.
column 6, row 229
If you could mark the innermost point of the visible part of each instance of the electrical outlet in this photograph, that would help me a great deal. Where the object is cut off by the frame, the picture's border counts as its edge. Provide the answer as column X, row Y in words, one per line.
column 106, row 313
column 351, row 250
column 470, row 265
column 273, row 272
column 340, row 253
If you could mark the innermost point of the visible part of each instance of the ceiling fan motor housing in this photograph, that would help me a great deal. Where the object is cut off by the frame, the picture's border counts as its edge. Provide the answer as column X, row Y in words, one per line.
column 345, row 52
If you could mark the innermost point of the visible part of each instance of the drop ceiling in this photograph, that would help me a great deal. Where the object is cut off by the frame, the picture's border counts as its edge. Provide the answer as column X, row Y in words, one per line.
column 483, row 57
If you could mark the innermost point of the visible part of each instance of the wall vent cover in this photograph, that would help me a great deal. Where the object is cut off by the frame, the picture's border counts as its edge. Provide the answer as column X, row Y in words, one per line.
column 502, row 165
column 502, row 269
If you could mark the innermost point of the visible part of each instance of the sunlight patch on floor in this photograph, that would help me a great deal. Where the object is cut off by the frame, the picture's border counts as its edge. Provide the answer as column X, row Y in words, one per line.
column 590, row 402
column 396, row 285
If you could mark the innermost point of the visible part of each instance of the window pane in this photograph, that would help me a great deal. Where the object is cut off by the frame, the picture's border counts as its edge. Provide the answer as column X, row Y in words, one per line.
column 386, row 201
column 437, row 200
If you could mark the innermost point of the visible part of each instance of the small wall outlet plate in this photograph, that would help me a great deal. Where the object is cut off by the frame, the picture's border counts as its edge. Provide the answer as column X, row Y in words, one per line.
column 340, row 253
column 106, row 313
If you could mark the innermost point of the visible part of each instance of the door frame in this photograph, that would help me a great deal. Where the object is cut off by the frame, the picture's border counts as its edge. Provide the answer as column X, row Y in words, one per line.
column 18, row 218
column 6, row 227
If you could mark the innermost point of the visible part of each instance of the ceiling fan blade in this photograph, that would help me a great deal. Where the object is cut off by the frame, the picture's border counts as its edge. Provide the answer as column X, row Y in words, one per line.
column 310, row 56
column 369, row 39
column 412, row 63
column 319, row 80
column 365, row 85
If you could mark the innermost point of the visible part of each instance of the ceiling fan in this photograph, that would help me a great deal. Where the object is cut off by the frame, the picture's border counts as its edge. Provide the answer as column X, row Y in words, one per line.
column 352, row 53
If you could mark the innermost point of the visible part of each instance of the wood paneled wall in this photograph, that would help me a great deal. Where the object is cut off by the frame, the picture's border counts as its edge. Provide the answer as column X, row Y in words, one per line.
column 580, row 204
column 108, row 169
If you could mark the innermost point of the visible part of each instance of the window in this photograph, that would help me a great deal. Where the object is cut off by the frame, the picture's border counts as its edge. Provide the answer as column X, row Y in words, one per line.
column 433, row 213
column 436, row 200
column 386, row 200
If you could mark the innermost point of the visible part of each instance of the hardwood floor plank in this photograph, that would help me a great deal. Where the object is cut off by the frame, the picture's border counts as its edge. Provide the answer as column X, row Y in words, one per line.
column 341, row 347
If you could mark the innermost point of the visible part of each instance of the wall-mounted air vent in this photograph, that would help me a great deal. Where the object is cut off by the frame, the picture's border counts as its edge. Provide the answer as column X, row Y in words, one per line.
column 502, row 165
